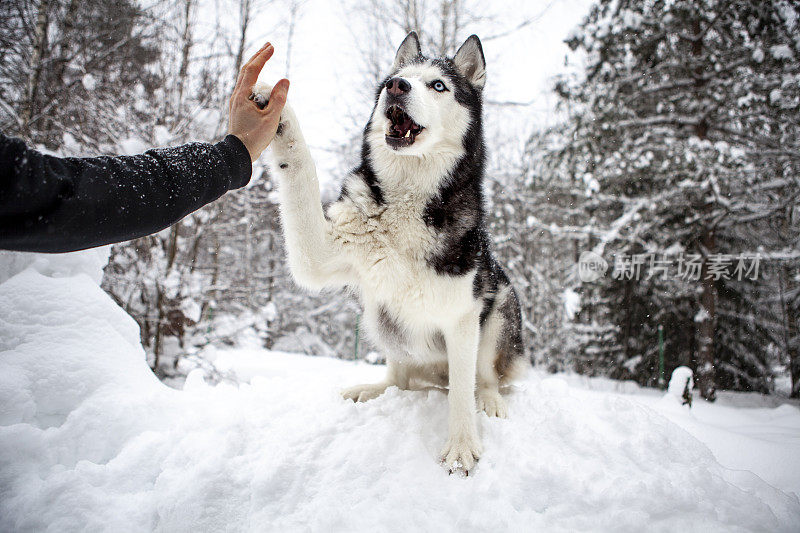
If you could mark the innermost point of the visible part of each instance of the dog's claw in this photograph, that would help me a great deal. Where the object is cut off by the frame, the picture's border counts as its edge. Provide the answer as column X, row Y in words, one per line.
column 461, row 454
column 260, row 94
column 460, row 471
column 261, row 100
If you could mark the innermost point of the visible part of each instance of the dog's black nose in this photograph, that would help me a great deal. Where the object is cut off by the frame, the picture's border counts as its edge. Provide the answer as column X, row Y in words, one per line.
column 397, row 86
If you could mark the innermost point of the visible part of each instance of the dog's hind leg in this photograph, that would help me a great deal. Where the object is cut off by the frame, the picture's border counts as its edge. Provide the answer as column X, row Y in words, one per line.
column 396, row 376
column 501, row 357
column 488, row 396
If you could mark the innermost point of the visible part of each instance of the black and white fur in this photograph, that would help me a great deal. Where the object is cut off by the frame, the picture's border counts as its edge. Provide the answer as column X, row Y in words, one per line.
column 408, row 236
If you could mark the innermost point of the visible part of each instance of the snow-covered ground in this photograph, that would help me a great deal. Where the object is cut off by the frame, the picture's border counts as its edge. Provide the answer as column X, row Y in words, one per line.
column 91, row 440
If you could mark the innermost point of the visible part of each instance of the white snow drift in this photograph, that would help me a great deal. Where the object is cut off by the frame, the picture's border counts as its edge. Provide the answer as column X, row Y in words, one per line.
column 91, row 440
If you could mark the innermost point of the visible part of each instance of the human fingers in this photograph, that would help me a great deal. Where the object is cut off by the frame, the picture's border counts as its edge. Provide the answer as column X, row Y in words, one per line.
column 277, row 98
column 241, row 70
column 251, row 70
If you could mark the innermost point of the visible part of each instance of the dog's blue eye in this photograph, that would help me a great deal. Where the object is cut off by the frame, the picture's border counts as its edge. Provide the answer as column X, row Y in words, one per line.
column 438, row 86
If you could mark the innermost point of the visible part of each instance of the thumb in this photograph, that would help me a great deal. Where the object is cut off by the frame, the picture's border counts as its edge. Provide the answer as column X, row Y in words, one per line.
column 277, row 98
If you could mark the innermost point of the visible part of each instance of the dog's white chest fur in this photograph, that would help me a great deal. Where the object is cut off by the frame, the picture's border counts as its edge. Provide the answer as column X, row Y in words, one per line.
column 388, row 246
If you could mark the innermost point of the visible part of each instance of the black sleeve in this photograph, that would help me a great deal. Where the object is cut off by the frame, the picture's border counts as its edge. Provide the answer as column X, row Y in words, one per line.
column 52, row 204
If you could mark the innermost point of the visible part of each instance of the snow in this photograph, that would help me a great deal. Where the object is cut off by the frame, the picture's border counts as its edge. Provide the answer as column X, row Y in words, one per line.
column 374, row 357
column 91, row 440
column 132, row 146
column 572, row 303
column 677, row 383
column 592, row 185
column 632, row 363
column 88, row 262
column 162, row 136
column 781, row 51
column 207, row 121
column 191, row 309
column 631, row 19
column 89, row 82
column 269, row 312
column 69, row 144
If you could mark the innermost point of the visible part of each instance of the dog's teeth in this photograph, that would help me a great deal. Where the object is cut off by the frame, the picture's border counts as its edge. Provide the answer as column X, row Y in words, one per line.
column 408, row 134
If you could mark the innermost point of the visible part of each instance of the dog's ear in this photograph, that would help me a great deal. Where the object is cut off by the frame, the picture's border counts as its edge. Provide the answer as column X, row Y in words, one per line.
column 470, row 62
column 408, row 51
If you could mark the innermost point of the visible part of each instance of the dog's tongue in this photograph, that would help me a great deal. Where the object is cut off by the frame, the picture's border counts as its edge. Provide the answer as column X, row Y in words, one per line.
column 402, row 127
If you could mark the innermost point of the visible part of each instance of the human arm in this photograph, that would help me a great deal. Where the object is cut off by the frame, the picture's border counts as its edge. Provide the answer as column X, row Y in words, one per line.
column 52, row 204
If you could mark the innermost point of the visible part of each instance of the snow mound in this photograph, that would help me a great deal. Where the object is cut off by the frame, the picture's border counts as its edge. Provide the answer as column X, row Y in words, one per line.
column 682, row 377
column 63, row 342
column 90, row 440
column 89, row 262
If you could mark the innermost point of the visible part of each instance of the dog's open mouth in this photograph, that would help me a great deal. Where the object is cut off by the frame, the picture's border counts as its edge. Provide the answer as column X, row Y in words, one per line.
column 403, row 130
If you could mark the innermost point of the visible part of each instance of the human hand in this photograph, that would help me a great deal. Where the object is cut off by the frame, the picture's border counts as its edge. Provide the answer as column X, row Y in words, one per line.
column 254, row 126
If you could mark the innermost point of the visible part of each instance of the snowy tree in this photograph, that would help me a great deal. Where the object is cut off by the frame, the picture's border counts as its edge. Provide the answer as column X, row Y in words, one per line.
column 218, row 276
column 159, row 278
column 790, row 302
column 681, row 119
column 51, row 66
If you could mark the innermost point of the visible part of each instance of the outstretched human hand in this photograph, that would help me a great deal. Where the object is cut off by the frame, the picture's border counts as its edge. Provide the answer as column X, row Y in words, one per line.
column 254, row 126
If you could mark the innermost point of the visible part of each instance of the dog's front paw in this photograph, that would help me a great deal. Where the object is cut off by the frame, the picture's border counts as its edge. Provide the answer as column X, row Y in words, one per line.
column 490, row 402
column 260, row 95
column 364, row 393
column 461, row 453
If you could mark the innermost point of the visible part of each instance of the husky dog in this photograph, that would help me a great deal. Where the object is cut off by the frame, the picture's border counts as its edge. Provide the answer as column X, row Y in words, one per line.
column 407, row 235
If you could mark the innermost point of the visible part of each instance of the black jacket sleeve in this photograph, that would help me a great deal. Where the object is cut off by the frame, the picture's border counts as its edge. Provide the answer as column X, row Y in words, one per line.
column 52, row 204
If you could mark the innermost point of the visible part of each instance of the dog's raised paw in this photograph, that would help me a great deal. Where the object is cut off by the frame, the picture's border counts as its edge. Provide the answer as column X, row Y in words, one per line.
column 260, row 94
column 460, row 455
column 492, row 403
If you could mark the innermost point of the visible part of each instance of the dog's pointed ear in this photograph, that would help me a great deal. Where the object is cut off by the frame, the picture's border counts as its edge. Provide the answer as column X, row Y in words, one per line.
column 470, row 62
column 408, row 51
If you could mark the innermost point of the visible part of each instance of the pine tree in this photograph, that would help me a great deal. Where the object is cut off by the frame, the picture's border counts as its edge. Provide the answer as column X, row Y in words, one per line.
column 682, row 117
